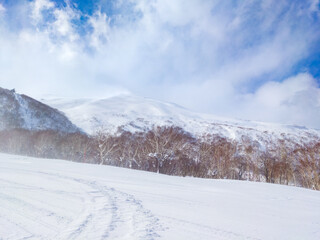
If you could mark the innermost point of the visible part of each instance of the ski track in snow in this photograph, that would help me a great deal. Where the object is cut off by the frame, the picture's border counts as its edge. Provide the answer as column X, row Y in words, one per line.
column 106, row 213
column 54, row 199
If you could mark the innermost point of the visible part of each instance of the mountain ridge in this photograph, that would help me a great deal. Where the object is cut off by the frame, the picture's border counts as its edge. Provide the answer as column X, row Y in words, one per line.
column 134, row 114
column 23, row 112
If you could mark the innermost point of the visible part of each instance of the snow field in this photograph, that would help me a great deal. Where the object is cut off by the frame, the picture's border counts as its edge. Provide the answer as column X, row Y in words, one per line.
column 55, row 199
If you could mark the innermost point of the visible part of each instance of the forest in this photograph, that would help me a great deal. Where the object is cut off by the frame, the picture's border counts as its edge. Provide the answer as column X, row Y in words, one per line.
column 171, row 150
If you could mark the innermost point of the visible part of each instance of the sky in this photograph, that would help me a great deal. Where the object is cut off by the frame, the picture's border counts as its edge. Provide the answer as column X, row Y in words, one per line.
column 249, row 59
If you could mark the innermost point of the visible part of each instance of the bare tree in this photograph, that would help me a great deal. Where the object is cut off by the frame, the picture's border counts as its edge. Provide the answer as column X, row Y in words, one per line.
column 162, row 144
column 106, row 145
column 309, row 167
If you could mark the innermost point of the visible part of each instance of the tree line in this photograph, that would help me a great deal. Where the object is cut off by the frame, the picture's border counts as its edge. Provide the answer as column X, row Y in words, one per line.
column 173, row 151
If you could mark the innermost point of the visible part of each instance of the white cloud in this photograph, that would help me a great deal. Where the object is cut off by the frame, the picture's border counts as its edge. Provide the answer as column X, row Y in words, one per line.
column 296, row 100
column 101, row 29
column 2, row 9
column 315, row 5
column 37, row 7
column 206, row 55
column 62, row 26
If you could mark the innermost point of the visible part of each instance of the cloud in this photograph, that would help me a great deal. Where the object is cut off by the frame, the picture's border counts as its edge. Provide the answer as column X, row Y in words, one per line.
column 63, row 25
column 315, row 6
column 101, row 28
column 2, row 9
column 296, row 100
column 38, row 6
column 222, row 57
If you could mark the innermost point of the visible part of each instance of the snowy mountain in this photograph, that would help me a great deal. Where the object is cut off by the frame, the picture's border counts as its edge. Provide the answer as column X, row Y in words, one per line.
column 132, row 113
column 21, row 111
column 161, row 137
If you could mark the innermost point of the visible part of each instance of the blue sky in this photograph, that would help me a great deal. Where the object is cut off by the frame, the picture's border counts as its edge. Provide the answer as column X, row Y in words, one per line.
column 247, row 59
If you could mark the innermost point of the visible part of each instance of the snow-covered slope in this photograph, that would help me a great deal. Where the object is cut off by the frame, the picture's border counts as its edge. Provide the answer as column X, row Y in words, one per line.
column 53, row 199
column 134, row 113
column 21, row 111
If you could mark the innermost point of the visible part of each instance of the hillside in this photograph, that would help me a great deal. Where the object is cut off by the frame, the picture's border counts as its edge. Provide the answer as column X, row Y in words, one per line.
column 132, row 113
column 53, row 199
column 146, row 134
column 23, row 112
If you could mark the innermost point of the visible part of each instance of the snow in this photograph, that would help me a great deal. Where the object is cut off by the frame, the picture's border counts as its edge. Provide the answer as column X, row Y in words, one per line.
column 55, row 199
column 21, row 111
column 134, row 113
